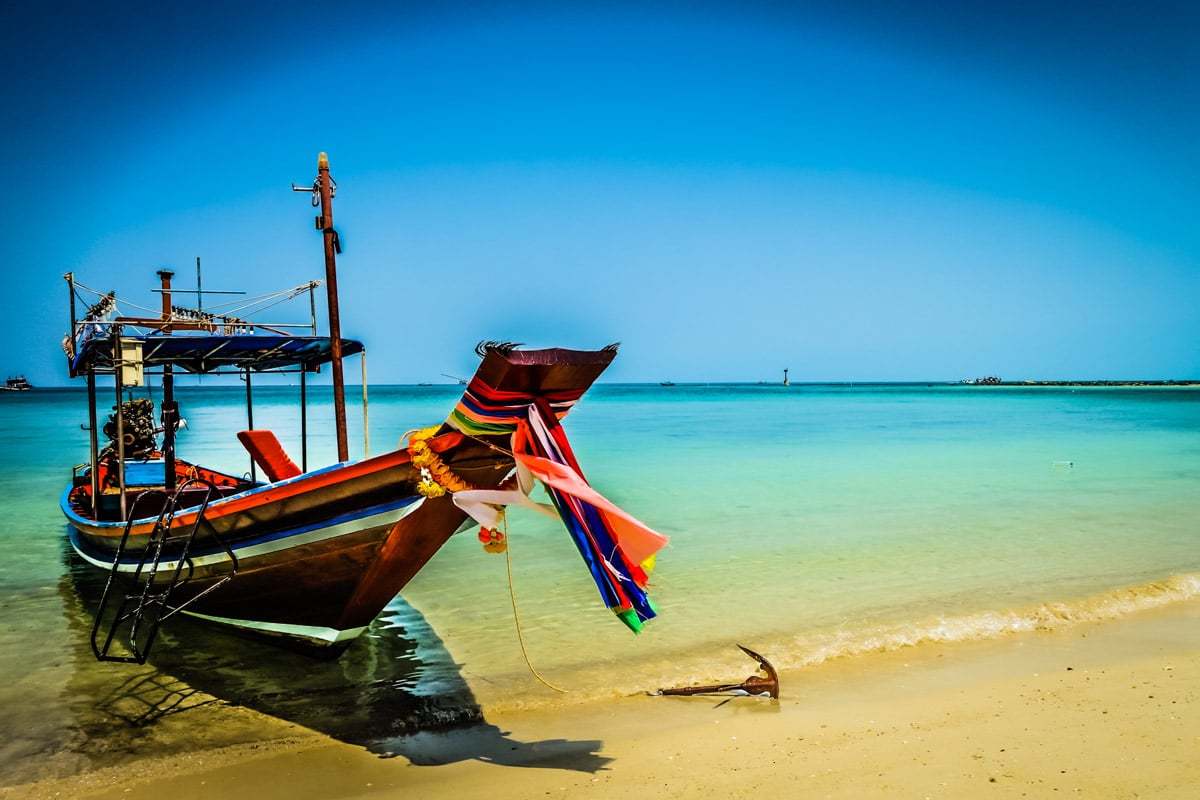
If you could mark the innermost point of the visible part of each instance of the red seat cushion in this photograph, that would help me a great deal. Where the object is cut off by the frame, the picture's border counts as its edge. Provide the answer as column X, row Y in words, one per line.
column 268, row 453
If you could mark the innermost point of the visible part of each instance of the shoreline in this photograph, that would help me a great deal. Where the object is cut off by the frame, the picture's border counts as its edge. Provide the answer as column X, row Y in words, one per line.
column 1105, row 708
column 512, row 691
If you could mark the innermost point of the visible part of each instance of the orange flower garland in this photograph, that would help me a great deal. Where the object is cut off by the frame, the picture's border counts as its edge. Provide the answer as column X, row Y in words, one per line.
column 436, row 477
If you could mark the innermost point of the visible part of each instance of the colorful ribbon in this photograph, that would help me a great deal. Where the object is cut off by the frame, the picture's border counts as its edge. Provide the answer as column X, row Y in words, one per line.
column 619, row 549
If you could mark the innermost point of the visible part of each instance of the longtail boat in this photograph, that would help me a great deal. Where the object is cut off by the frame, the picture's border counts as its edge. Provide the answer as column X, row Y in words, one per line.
column 309, row 557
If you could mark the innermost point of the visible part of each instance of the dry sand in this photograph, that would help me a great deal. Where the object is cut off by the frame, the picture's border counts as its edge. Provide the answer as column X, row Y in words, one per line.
column 1095, row 710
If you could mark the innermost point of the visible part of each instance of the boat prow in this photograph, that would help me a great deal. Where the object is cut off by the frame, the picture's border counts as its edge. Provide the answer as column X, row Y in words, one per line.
column 316, row 556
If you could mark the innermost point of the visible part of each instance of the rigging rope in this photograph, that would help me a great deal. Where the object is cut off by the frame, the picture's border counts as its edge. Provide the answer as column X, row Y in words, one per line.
column 123, row 301
column 79, row 285
column 245, row 303
column 269, row 305
column 512, row 595
column 286, row 294
column 283, row 295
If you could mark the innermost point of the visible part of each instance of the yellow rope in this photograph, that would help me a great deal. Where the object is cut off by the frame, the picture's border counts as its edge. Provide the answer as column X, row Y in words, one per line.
column 512, row 595
column 438, row 479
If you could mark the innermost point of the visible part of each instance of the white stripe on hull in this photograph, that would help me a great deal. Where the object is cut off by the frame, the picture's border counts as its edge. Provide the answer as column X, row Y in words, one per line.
column 341, row 529
column 319, row 635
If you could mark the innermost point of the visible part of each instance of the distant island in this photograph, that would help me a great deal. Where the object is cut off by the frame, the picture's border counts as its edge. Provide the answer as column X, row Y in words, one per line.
column 993, row 381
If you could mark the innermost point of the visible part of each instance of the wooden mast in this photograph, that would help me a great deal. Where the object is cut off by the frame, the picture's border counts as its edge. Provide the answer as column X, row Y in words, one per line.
column 325, row 224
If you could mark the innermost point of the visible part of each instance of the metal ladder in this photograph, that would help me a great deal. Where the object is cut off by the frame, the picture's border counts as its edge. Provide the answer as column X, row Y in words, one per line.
column 144, row 606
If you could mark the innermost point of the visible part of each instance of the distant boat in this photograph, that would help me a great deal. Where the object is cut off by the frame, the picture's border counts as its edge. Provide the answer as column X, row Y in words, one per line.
column 666, row 383
column 17, row 383
column 424, row 384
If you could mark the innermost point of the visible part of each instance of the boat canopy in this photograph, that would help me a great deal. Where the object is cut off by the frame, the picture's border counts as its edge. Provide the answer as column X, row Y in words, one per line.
column 212, row 353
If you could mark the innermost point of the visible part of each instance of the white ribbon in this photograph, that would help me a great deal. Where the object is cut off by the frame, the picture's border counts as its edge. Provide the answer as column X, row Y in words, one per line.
column 486, row 506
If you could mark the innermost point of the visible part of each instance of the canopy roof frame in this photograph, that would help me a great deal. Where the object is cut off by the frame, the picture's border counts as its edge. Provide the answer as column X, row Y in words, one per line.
column 201, row 355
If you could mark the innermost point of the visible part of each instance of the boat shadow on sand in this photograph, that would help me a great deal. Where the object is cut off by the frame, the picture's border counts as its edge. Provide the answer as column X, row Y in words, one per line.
column 395, row 692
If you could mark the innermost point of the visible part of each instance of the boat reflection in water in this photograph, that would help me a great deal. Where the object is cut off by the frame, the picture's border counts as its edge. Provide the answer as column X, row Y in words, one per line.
column 394, row 691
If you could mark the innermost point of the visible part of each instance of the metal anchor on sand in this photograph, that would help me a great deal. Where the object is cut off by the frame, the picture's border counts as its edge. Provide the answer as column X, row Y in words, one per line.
column 756, row 685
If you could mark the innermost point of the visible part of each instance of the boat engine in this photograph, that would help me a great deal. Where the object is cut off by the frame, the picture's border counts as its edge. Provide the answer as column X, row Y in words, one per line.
column 138, row 428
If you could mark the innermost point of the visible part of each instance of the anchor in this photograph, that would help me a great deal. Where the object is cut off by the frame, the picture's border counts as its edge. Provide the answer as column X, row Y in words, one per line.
column 755, row 686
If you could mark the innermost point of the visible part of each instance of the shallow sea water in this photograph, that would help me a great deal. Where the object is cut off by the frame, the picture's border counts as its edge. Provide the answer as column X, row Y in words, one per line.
column 809, row 523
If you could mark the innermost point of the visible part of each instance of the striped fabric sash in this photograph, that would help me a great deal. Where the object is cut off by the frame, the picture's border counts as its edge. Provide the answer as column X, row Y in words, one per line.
column 618, row 549
column 484, row 411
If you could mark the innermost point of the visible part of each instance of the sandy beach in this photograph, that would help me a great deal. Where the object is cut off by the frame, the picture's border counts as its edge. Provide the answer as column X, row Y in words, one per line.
column 1109, row 709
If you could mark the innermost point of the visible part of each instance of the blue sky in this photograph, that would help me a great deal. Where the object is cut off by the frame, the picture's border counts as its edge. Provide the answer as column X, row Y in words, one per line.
column 857, row 191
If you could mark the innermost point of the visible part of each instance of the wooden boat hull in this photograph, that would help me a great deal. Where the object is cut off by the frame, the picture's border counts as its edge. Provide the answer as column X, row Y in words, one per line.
column 320, row 555
column 301, row 554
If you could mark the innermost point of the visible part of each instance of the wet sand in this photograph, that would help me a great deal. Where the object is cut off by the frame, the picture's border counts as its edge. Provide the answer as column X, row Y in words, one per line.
column 1108, row 709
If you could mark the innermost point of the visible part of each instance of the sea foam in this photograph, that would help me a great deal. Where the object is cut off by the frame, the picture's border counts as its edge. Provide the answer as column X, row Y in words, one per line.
column 1109, row 605
column 803, row 651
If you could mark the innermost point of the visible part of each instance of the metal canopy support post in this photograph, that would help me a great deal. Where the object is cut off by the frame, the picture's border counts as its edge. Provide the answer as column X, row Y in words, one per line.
column 250, row 421
column 312, row 306
column 118, row 362
column 366, row 421
column 168, row 411
column 93, row 445
column 303, row 420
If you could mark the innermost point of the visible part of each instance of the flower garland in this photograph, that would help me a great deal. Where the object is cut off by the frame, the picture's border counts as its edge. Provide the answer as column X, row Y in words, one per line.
column 436, row 477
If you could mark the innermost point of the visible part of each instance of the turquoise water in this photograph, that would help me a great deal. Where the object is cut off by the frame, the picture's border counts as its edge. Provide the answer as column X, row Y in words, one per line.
column 808, row 522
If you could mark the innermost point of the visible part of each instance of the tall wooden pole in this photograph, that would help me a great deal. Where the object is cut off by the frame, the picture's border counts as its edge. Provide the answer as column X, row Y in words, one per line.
column 325, row 223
